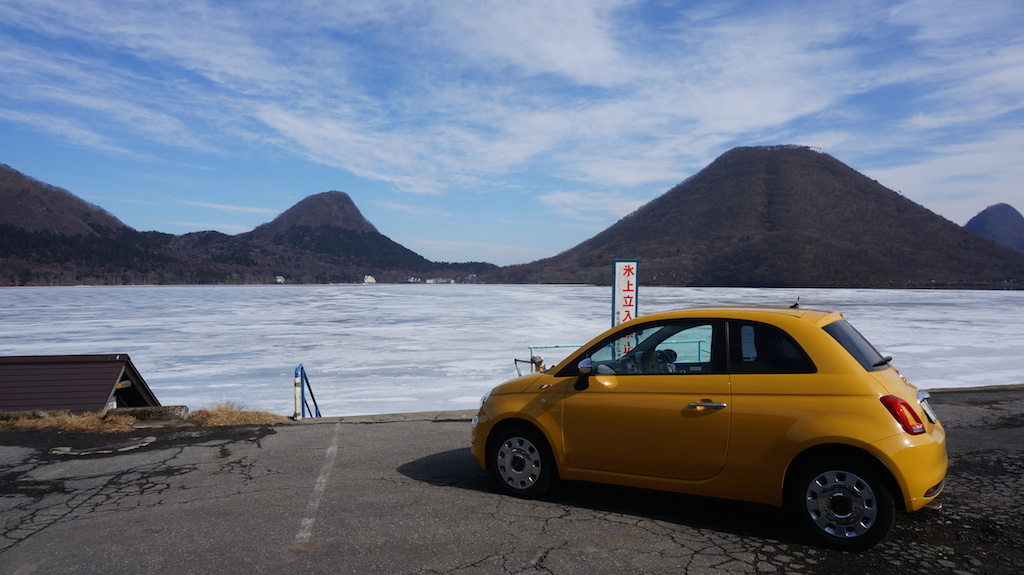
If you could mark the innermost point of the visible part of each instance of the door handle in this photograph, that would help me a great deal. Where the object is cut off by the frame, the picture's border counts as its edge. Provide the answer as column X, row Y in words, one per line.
column 700, row 405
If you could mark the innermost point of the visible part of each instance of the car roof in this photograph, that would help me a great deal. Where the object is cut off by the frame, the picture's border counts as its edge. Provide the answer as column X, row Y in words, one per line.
column 753, row 313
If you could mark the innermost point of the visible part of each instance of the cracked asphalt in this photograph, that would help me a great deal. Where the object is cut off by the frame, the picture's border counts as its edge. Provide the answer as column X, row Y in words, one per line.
column 402, row 495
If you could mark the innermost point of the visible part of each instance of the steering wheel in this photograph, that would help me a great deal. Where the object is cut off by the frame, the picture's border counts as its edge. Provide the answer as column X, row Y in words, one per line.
column 666, row 360
column 628, row 365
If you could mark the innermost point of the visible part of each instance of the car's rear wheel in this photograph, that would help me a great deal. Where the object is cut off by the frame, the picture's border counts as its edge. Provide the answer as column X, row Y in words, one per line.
column 521, row 461
column 842, row 504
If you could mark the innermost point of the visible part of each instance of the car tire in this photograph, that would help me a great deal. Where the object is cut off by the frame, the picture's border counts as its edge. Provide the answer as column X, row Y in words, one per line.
column 521, row 462
column 841, row 503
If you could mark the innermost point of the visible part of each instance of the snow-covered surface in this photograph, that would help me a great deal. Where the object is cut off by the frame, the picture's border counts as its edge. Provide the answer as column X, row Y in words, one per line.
column 397, row 348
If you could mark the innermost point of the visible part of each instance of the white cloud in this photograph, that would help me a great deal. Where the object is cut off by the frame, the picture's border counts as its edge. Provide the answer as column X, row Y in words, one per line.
column 67, row 129
column 945, row 22
column 573, row 39
column 238, row 209
column 377, row 155
column 960, row 180
column 418, row 211
column 580, row 90
column 211, row 39
column 592, row 206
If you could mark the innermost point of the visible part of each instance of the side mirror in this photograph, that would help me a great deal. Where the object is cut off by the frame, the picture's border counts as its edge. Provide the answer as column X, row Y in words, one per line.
column 585, row 366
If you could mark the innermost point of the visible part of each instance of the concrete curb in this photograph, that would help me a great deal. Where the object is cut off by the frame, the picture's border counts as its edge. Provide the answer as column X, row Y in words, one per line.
column 1010, row 387
column 433, row 416
column 152, row 413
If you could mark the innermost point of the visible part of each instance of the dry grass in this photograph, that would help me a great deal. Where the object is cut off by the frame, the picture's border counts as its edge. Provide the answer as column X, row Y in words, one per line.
column 67, row 422
column 223, row 414
column 231, row 413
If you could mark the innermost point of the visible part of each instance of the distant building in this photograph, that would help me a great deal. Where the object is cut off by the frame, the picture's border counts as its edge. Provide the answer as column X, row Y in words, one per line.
column 369, row 280
column 279, row 279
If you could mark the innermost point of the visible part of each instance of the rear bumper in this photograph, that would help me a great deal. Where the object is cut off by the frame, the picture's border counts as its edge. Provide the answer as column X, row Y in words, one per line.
column 919, row 464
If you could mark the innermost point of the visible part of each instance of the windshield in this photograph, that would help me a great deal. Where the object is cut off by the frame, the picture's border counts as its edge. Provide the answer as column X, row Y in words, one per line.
column 855, row 343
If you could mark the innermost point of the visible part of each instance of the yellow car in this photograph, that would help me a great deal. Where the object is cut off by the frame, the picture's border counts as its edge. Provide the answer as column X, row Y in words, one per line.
column 786, row 407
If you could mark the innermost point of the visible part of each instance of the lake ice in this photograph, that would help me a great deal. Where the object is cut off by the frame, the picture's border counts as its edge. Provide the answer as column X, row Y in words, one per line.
column 396, row 348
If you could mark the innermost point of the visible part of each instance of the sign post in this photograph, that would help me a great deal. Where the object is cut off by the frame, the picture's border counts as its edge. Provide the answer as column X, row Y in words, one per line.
column 625, row 284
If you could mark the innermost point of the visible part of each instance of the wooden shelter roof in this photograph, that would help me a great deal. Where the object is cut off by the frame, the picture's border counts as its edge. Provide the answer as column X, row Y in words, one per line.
column 78, row 383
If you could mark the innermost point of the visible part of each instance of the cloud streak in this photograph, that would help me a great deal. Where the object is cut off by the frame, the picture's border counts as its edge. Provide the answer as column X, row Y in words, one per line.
column 236, row 209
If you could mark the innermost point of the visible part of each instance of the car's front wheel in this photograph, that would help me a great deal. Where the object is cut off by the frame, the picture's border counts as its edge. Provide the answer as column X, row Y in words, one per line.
column 521, row 461
column 843, row 504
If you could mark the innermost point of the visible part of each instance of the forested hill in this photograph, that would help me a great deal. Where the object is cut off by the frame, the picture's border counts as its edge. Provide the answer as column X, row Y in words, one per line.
column 756, row 216
column 782, row 216
column 34, row 206
column 1000, row 223
column 49, row 236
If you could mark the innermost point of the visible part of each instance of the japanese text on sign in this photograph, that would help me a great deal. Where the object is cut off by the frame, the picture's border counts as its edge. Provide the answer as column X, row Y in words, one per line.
column 625, row 284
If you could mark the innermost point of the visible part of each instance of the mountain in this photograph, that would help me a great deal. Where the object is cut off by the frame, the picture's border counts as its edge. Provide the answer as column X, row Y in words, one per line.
column 335, row 209
column 781, row 216
column 35, row 206
column 48, row 236
column 1000, row 223
column 330, row 224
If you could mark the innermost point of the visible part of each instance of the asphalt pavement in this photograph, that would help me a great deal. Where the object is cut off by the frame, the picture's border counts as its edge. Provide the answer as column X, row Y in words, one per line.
column 401, row 494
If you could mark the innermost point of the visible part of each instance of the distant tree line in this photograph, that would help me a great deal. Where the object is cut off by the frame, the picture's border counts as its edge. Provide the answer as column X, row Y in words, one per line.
column 324, row 254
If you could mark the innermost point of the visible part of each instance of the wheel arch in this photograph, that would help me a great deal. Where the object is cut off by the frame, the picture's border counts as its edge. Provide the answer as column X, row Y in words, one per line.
column 512, row 422
column 829, row 450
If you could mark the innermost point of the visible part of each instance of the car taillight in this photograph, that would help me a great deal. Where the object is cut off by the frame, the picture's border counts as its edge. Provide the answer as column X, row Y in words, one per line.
column 904, row 413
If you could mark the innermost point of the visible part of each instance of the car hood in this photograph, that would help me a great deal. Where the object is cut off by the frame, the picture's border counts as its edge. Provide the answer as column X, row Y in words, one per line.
column 517, row 385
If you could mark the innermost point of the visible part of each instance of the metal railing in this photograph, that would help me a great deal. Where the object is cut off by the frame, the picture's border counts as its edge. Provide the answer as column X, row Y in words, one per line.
column 702, row 350
column 536, row 362
column 301, row 405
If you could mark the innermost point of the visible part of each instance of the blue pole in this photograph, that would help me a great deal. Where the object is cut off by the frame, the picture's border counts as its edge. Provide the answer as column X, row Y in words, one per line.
column 315, row 411
column 304, row 393
column 301, row 383
column 298, row 393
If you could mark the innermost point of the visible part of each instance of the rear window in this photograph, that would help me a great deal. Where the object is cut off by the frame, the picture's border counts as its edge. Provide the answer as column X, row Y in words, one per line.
column 761, row 348
column 855, row 343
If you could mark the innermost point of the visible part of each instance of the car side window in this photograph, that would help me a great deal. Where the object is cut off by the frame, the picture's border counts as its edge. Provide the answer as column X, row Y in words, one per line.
column 619, row 356
column 760, row 348
column 665, row 348
column 688, row 350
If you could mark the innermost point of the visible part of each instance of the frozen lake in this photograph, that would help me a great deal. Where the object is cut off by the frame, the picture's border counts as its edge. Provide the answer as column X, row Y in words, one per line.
column 398, row 348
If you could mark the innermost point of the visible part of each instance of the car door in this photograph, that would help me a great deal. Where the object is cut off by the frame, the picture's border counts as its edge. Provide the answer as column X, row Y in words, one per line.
column 656, row 403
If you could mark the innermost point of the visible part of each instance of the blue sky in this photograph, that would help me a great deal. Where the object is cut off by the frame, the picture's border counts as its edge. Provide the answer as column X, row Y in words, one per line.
column 494, row 130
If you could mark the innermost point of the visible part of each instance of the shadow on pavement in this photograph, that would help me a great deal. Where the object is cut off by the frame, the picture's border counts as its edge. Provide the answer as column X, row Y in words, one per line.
column 456, row 468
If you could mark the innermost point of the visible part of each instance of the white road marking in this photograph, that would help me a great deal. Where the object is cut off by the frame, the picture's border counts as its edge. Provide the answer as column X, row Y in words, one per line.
column 305, row 533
